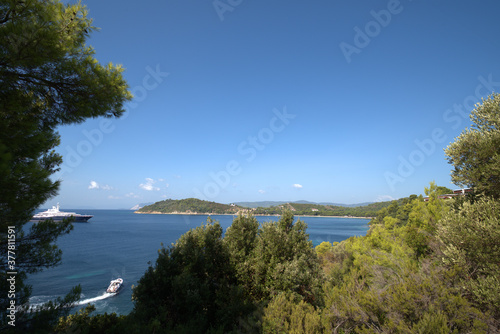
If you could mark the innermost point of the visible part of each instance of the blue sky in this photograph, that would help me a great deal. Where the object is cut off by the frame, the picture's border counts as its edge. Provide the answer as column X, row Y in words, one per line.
column 239, row 100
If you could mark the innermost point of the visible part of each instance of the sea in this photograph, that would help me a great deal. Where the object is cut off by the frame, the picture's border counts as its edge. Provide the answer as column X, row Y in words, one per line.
column 120, row 243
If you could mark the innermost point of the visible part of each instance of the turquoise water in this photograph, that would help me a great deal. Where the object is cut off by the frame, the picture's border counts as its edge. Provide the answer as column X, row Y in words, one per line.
column 119, row 243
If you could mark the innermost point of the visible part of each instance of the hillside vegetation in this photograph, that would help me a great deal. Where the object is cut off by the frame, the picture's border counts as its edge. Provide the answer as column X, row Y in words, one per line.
column 302, row 209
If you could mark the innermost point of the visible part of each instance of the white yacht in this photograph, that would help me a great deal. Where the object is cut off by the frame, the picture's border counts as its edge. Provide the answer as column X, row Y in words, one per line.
column 57, row 215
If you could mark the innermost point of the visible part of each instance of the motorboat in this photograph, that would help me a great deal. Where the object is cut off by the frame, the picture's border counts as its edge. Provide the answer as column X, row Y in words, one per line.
column 57, row 215
column 115, row 285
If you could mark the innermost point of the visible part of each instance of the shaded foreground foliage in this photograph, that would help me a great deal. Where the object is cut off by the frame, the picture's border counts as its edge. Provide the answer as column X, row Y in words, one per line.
column 48, row 77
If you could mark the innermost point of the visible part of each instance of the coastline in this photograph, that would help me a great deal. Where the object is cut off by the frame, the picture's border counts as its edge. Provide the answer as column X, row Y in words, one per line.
column 236, row 213
column 188, row 213
column 354, row 217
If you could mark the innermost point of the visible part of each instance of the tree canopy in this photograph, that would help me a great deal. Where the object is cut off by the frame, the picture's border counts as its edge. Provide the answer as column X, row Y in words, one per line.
column 48, row 77
column 192, row 287
column 475, row 154
column 46, row 69
column 207, row 282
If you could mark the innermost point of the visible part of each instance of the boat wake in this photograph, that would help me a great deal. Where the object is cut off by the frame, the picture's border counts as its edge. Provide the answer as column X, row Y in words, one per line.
column 92, row 300
column 38, row 302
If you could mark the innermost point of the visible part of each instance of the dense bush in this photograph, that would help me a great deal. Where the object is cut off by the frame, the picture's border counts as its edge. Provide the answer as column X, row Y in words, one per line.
column 470, row 244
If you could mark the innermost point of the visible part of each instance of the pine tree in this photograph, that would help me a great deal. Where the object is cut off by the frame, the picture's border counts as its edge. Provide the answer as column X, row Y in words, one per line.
column 48, row 77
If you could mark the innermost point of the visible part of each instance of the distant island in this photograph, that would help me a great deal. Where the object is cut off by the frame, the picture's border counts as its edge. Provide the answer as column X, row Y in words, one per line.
column 199, row 207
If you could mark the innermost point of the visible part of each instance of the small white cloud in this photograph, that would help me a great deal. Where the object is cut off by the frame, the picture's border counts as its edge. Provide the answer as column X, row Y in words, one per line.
column 95, row 185
column 384, row 198
column 297, row 186
column 262, row 191
column 149, row 185
column 132, row 195
column 113, row 197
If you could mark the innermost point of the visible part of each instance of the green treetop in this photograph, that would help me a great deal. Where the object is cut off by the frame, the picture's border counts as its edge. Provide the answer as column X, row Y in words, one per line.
column 475, row 154
column 48, row 77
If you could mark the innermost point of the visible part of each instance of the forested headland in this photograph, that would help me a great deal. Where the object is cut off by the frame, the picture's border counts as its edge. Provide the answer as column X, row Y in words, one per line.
column 189, row 206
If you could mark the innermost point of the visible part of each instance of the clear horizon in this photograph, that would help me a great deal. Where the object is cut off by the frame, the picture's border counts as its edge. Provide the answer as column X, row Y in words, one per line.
column 326, row 102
